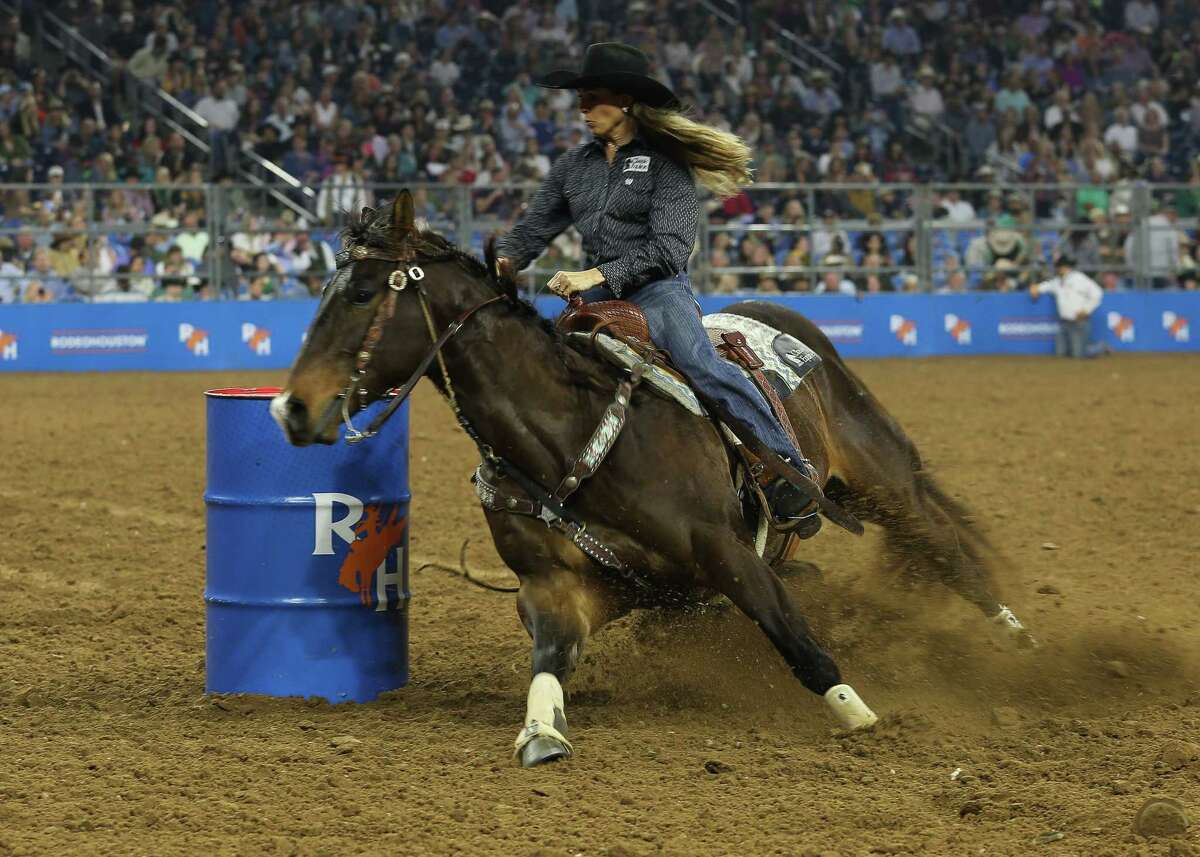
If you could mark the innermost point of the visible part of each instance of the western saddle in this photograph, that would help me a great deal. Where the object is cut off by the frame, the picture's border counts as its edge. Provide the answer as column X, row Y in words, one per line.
column 627, row 322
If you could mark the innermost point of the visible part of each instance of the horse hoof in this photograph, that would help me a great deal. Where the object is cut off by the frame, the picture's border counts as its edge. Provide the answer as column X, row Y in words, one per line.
column 543, row 750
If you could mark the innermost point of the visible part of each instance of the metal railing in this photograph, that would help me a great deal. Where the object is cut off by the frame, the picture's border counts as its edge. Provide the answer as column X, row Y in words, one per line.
column 90, row 239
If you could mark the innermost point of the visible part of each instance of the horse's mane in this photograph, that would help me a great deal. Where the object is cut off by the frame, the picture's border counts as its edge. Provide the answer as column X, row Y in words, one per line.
column 373, row 229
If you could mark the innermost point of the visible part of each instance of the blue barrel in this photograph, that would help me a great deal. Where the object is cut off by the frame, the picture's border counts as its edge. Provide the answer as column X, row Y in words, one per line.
column 307, row 585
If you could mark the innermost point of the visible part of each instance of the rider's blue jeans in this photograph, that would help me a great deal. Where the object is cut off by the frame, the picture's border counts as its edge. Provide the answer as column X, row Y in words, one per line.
column 670, row 310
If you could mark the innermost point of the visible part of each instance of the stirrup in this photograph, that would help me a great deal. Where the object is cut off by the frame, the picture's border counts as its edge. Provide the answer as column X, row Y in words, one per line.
column 805, row 526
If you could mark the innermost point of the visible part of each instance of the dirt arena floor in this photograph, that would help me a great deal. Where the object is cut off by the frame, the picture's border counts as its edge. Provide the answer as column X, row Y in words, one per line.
column 692, row 737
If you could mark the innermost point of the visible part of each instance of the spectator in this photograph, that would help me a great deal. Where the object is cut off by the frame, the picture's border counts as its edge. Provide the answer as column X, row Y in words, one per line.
column 824, row 236
column 50, row 286
column 1012, row 98
column 1152, row 139
column 1077, row 297
column 11, row 274
column 980, row 133
column 174, row 290
column 1161, row 247
column 1146, row 105
column 344, row 190
column 281, row 119
column 887, row 86
column 1122, row 134
column 1141, row 16
column 1081, row 243
column 150, row 63
column 221, row 112
column 821, row 99
column 899, row 37
column 957, row 209
column 1061, row 111
column 120, row 289
column 926, row 99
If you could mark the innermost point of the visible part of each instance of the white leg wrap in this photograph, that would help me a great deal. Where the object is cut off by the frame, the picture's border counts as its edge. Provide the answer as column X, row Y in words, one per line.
column 851, row 712
column 1013, row 628
column 544, row 712
column 1008, row 620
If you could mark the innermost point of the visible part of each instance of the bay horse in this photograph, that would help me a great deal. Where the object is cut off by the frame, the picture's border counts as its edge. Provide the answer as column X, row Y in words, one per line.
column 404, row 303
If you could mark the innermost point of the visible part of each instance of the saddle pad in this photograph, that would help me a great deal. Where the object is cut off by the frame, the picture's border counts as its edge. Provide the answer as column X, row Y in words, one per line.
column 789, row 358
column 617, row 352
column 781, row 353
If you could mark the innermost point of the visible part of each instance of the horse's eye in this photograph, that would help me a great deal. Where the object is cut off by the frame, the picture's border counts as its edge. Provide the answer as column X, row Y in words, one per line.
column 361, row 294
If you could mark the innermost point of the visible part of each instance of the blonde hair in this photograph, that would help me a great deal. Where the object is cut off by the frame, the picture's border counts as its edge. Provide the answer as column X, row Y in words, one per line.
column 720, row 161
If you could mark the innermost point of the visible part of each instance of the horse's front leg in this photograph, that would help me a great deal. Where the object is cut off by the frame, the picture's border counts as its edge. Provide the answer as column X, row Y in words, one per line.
column 560, row 611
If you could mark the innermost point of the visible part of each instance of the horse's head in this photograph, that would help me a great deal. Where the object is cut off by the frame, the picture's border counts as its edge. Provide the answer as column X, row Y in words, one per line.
column 370, row 332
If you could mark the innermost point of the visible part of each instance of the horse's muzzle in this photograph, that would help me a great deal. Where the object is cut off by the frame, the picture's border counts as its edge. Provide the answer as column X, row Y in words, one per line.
column 292, row 415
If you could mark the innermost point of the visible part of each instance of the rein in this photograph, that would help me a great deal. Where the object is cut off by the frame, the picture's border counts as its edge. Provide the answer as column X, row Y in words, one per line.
column 397, row 282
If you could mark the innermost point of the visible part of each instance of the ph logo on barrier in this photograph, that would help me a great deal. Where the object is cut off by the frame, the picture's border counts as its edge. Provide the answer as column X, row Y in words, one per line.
column 1174, row 324
column 375, row 560
column 1121, row 327
column 8, row 346
column 905, row 329
column 194, row 339
column 257, row 339
column 959, row 329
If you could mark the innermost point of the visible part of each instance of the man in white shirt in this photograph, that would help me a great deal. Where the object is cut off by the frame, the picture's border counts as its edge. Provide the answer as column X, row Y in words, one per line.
column 1060, row 111
column 1078, row 296
column 957, row 209
column 925, row 98
column 221, row 112
column 1122, row 134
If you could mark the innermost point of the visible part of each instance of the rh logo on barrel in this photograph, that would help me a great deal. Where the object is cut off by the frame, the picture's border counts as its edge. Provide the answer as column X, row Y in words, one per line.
column 374, row 564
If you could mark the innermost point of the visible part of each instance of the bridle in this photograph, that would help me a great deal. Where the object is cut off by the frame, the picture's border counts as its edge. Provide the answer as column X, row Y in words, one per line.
column 397, row 282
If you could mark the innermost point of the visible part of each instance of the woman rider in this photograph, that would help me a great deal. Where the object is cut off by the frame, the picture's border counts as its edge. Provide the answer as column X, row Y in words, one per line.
column 631, row 193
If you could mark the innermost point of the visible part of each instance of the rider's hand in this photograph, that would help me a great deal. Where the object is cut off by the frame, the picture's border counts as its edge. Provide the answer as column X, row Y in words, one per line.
column 566, row 283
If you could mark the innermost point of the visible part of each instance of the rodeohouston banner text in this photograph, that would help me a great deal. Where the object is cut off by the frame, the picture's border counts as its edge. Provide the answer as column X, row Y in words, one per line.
column 240, row 335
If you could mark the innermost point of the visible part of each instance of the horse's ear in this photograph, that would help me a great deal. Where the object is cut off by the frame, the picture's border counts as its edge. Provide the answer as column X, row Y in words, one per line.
column 402, row 214
column 501, row 275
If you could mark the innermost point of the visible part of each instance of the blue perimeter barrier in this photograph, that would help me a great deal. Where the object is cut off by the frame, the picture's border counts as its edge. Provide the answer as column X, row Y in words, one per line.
column 241, row 335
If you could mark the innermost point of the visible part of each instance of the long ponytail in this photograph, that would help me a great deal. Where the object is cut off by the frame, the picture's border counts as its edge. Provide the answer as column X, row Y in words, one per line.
column 720, row 161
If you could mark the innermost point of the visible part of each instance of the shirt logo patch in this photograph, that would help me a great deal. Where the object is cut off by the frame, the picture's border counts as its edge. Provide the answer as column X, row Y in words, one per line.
column 637, row 164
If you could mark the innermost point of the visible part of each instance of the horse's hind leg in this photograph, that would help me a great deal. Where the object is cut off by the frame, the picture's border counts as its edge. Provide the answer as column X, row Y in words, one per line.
column 751, row 584
column 559, row 611
column 929, row 535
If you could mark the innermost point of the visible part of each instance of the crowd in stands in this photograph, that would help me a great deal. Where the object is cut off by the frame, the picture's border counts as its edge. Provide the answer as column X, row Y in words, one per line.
column 1078, row 93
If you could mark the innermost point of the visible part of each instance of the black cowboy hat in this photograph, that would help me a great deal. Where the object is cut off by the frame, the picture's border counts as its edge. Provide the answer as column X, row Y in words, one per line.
column 619, row 67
